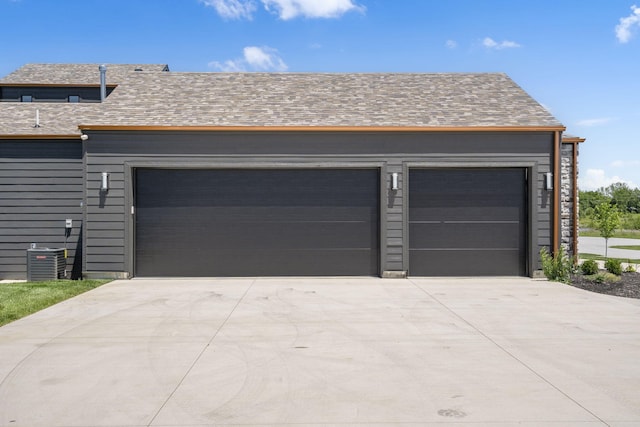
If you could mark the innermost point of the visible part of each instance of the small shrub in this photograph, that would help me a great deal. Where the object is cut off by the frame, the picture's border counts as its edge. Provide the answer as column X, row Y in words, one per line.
column 613, row 266
column 630, row 269
column 589, row 267
column 557, row 268
column 605, row 277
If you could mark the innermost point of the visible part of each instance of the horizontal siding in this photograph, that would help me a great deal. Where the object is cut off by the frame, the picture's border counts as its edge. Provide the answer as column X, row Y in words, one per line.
column 108, row 152
column 6, row 202
column 52, row 94
column 40, row 187
column 314, row 143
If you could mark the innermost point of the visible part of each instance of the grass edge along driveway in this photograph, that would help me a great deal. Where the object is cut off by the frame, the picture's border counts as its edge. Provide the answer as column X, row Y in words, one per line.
column 21, row 299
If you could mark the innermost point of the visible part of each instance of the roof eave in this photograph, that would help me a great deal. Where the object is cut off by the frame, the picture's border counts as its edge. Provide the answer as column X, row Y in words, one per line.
column 97, row 128
column 41, row 136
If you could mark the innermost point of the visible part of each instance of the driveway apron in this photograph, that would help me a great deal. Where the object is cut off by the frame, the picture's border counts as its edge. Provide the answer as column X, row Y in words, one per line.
column 325, row 351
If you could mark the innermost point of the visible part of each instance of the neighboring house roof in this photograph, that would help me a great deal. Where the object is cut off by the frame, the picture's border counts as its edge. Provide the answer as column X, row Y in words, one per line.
column 73, row 74
column 152, row 98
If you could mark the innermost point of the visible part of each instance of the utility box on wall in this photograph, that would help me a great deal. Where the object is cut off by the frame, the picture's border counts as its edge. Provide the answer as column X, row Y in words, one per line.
column 45, row 264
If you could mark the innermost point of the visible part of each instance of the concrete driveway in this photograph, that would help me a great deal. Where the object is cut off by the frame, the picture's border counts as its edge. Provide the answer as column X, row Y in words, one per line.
column 325, row 351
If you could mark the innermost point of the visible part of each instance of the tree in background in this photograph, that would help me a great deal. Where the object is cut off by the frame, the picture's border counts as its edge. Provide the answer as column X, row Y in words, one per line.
column 590, row 199
column 606, row 219
column 627, row 199
column 620, row 194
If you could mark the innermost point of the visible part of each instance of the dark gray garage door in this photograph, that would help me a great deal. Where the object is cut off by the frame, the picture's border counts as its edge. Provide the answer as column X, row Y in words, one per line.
column 200, row 222
column 465, row 222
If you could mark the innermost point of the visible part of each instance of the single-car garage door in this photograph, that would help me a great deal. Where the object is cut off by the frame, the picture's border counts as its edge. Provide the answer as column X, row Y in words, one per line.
column 256, row 222
column 465, row 222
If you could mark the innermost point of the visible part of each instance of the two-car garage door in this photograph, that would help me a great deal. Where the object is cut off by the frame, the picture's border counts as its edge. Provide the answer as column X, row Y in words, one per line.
column 256, row 222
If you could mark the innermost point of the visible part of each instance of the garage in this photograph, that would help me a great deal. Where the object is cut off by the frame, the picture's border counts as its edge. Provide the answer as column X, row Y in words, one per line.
column 467, row 221
column 256, row 222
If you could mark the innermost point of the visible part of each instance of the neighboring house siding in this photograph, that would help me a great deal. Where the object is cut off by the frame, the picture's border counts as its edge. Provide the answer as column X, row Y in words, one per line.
column 109, row 231
column 51, row 94
column 41, row 185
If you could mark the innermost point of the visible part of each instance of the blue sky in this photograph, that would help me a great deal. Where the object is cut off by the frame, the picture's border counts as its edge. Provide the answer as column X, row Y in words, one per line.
column 581, row 60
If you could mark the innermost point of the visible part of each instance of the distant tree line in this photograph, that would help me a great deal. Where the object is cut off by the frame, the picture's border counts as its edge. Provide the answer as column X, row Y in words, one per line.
column 620, row 196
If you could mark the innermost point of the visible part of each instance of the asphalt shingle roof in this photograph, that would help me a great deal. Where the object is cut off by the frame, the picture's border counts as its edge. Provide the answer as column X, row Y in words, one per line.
column 152, row 98
column 74, row 74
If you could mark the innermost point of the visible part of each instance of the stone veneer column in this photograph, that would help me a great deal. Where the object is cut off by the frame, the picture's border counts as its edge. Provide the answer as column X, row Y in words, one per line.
column 567, row 195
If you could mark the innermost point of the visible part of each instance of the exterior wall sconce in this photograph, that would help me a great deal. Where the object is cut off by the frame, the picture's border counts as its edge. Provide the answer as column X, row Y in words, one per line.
column 548, row 181
column 394, row 181
column 104, row 182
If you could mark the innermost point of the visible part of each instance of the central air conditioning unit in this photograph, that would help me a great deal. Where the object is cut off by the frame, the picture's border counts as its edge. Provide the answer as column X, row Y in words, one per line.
column 45, row 264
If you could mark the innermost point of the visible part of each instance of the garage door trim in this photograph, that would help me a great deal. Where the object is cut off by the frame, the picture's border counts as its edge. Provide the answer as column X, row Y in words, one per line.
column 222, row 164
column 531, row 226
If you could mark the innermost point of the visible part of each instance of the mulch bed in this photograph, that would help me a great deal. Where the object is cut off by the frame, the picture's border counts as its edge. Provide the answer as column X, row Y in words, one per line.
column 628, row 286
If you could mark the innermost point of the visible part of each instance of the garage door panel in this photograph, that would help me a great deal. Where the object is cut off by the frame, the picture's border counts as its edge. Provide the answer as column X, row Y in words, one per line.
column 467, row 221
column 471, row 213
column 265, row 214
column 255, row 188
column 459, row 235
column 467, row 262
column 258, row 263
column 280, row 235
column 490, row 182
column 257, row 222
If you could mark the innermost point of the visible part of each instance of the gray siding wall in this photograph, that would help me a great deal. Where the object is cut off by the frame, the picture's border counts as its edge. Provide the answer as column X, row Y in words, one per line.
column 40, row 187
column 108, row 234
column 51, row 94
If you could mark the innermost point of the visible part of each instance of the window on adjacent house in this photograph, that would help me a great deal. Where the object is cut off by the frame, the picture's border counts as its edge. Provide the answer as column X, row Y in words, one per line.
column 26, row 98
column 74, row 98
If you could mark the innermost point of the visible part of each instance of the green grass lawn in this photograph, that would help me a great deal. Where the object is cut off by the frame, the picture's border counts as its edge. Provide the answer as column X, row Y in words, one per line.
column 633, row 247
column 624, row 234
column 21, row 299
column 602, row 258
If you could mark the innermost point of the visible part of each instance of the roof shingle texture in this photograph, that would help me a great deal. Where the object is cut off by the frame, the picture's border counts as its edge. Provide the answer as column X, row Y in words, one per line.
column 74, row 74
column 152, row 98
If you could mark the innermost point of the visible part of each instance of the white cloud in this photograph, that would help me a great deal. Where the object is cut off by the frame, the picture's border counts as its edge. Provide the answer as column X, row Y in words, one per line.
column 232, row 9
column 285, row 9
column 595, row 122
column 594, row 179
column 625, row 28
column 228, row 66
column 289, row 9
column 264, row 58
column 254, row 59
column 490, row 43
column 451, row 44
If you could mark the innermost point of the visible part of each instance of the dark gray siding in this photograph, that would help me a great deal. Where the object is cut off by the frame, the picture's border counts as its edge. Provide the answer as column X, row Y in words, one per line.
column 51, row 93
column 40, row 187
column 109, row 234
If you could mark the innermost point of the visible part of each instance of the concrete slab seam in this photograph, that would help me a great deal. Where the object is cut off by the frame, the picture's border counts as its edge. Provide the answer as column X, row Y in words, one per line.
column 507, row 352
column 204, row 348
